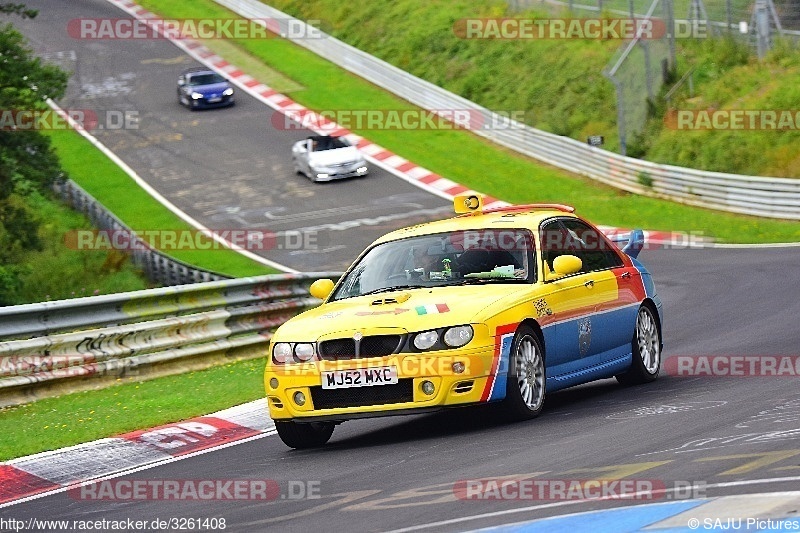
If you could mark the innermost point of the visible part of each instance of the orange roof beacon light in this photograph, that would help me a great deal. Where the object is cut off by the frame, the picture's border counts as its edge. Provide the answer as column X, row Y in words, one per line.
column 468, row 203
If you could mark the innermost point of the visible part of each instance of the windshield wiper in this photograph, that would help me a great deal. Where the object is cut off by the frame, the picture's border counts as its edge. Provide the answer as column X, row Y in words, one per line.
column 482, row 281
column 393, row 288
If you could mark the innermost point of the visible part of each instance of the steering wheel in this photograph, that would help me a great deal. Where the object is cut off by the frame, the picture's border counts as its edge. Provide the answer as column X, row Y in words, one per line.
column 402, row 276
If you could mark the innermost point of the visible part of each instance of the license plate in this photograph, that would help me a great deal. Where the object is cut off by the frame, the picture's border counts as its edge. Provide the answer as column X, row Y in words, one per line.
column 360, row 377
column 215, row 100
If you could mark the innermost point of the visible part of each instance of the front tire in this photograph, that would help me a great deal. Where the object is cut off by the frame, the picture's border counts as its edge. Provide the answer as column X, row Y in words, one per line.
column 301, row 436
column 646, row 350
column 526, row 383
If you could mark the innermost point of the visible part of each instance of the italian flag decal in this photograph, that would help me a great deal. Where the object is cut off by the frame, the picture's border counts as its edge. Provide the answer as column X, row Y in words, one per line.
column 432, row 309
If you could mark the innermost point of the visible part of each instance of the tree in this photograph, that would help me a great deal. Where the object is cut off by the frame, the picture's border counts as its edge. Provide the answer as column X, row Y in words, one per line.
column 18, row 9
column 28, row 164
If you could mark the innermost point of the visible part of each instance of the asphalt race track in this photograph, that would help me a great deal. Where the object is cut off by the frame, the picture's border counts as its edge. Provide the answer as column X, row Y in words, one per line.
column 715, row 435
column 227, row 168
column 724, row 435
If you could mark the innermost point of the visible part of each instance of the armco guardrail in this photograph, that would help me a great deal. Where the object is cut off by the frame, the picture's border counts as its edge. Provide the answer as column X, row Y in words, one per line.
column 752, row 195
column 115, row 334
column 158, row 267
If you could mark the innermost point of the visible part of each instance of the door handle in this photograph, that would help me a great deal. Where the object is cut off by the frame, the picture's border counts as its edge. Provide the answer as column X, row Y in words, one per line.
column 589, row 284
column 626, row 275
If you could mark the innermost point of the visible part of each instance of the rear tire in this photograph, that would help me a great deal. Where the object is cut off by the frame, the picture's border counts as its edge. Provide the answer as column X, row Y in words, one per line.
column 526, row 383
column 645, row 350
column 304, row 435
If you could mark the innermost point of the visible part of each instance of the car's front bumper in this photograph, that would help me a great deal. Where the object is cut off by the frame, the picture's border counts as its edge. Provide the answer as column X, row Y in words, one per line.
column 204, row 103
column 330, row 174
column 470, row 386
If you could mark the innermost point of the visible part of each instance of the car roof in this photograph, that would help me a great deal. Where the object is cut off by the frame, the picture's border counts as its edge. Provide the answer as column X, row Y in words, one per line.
column 198, row 70
column 320, row 137
column 491, row 219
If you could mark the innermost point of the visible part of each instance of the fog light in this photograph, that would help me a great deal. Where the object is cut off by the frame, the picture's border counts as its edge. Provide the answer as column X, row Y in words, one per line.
column 428, row 388
column 273, row 382
column 458, row 367
column 299, row 398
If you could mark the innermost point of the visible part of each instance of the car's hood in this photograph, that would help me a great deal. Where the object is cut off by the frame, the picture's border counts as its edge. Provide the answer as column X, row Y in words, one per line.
column 348, row 154
column 409, row 310
column 210, row 89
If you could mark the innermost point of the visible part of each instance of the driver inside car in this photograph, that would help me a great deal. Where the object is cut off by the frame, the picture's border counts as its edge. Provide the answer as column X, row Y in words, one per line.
column 427, row 267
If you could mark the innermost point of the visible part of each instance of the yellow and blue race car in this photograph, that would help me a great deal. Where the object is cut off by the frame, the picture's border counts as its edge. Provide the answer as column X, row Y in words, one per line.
column 495, row 305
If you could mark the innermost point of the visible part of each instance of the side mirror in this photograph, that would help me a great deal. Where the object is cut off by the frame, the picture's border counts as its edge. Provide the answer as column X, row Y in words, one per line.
column 181, row 81
column 321, row 288
column 564, row 265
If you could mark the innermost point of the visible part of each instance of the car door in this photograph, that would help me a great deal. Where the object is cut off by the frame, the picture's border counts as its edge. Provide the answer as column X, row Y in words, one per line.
column 616, row 303
column 575, row 337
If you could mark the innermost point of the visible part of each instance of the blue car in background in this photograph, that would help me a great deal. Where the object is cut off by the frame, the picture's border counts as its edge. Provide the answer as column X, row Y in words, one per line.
column 200, row 88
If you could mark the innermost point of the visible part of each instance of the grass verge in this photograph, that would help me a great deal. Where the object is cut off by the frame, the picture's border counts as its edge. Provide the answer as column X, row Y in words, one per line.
column 79, row 273
column 53, row 423
column 113, row 188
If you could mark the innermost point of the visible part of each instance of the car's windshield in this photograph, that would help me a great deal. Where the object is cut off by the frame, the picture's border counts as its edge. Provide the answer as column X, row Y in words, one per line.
column 319, row 144
column 206, row 79
column 455, row 258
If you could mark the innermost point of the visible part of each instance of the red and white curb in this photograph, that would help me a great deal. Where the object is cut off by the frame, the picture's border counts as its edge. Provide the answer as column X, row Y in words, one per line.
column 27, row 477
column 376, row 154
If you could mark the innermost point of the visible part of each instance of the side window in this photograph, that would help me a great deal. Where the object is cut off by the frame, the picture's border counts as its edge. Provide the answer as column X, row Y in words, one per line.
column 553, row 238
column 591, row 247
column 574, row 237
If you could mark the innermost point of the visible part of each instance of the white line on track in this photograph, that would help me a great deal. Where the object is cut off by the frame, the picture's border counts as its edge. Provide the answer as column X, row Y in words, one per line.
column 462, row 519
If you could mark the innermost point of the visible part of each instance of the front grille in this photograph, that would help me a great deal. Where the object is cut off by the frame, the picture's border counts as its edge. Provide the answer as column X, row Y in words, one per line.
column 378, row 345
column 402, row 392
column 337, row 349
column 370, row 346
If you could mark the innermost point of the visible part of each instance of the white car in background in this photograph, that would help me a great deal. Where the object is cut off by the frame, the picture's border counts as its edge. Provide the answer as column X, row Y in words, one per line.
column 326, row 158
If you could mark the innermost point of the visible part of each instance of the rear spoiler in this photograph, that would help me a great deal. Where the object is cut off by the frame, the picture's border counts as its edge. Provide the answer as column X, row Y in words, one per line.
column 635, row 242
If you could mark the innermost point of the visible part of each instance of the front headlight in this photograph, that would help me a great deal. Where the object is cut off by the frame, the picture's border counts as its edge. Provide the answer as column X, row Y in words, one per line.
column 287, row 352
column 196, row 96
column 282, row 353
column 458, row 336
column 228, row 91
column 304, row 351
column 425, row 340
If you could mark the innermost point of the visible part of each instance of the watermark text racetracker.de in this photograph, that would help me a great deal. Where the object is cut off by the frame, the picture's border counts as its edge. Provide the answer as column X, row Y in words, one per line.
column 189, row 239
column 199, row 28
column 733, row 366
column 331, row 120
column 577, row 28
column 123, row 490
column 86, row 119
column 733, row 119
column 536, row 489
